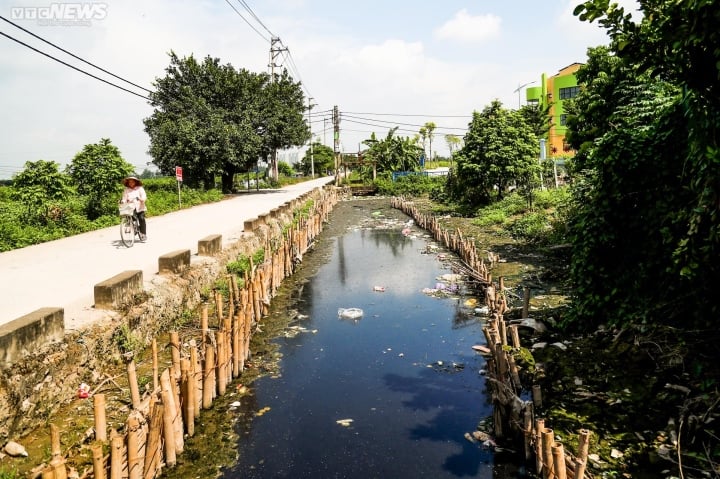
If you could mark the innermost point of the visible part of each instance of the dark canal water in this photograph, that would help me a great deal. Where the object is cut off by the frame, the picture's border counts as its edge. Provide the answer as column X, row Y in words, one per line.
column 404, row 373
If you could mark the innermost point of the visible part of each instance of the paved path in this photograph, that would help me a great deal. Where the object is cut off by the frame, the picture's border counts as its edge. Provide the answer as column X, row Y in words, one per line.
column 63, row 273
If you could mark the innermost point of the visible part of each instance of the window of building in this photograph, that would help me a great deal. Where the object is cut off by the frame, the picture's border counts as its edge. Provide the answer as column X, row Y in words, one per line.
column 563, row 119
column 569, row 92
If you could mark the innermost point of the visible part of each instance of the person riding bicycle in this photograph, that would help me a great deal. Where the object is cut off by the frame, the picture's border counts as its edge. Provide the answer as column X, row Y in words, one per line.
column 134, row 192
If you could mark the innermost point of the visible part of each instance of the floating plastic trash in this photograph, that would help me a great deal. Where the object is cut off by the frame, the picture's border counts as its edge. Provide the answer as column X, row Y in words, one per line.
column 350, row 313
column 380, row 289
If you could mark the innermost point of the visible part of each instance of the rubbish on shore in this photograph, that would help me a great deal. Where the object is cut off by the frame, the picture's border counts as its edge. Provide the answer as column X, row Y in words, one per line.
column 471, row 302
column 83, row 391
column 262, row 411
column 406, row 231
column 451, row 278
column 380, row 289
column 344, row 422
column 482, row 310
column 482, row 349
column 13, row 449
column 538, row 326
column 350, row 313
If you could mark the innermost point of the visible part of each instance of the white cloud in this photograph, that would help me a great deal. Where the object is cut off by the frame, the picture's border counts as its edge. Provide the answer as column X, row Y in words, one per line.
column 467, row 28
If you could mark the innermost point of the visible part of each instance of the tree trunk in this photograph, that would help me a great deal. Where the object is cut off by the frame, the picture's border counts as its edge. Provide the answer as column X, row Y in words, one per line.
column 227, row 181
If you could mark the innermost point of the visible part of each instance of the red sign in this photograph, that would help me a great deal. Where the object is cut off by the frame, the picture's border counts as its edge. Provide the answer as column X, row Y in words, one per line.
column 178, row 173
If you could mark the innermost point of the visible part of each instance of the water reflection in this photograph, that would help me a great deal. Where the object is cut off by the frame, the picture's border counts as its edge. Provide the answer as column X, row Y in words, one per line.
column 405, row 373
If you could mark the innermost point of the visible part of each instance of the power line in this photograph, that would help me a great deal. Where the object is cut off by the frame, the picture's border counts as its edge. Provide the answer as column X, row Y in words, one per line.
column 408, row 114
column 246, row 21
column 257, row 19
column 73, row 55
column 73, row 67
column 400, row 123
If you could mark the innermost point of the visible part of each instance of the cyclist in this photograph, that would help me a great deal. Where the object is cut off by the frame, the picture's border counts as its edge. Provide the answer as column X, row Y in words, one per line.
column 134, row 192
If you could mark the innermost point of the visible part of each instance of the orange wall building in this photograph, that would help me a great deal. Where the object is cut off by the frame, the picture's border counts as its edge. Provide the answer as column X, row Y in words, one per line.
column 554, row 91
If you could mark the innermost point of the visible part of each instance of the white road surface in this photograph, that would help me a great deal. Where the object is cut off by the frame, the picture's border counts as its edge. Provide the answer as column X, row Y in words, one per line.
column 63, row 273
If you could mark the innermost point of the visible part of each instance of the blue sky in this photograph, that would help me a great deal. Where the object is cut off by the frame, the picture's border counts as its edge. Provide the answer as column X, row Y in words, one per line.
column 379, row 62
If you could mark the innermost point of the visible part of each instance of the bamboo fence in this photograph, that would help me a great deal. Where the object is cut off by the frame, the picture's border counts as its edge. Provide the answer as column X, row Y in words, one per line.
column 513, row 417
column 201, row 370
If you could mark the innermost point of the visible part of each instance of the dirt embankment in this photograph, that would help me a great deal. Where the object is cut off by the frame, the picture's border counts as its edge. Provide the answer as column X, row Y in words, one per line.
column 43, row 387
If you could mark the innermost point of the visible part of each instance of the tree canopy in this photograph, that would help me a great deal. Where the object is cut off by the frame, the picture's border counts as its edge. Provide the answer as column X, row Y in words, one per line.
column 645, row 126
column 393, row 153
column 213, row 119
column 500, row 149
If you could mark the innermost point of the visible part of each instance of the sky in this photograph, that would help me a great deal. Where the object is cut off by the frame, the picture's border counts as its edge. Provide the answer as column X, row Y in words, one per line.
column 383, row 64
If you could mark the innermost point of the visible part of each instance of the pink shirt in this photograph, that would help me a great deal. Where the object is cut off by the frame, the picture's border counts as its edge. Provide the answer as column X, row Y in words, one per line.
column 136, row 193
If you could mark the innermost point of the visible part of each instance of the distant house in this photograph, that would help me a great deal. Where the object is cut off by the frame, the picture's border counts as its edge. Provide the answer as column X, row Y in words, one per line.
column 554, row 91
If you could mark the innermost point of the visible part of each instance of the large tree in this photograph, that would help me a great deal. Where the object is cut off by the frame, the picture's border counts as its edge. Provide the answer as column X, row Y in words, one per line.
column 97, row 172
column 212, row 119
column 646, row 125
column 283, row 117
column 500, row 149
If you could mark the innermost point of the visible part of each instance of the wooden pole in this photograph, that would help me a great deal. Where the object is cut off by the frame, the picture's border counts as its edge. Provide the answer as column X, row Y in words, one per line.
column 133, row 447
column 55, row 450
column 116, row 456
column 153, row 450
column 220, row 368
column 583, row 444
column 196, row 378
column 156, row 377
column 208, row 376
column 526, row 302
column 579, row 468
column 99, row 414
column 527, row 429
column 539, row 426
column 189, row 388
column 98, row 462
column 132, row 381
column 172, row 410
column 537, row 396
column 204, row 323
column 548, row 441
column 515, row 335
column 175, row 353
column 559, row 460
column 168, row 427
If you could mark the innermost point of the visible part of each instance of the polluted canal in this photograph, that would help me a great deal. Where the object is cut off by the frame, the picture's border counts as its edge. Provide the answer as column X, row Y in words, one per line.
column 368, row 361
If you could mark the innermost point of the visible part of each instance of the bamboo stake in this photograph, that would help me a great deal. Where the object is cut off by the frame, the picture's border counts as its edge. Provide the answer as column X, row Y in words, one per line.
column 204, row 323
column 188, row 392
column 515, row 335
column 171, row 409
column 208, row 376
column 539, row 426
column 526, row 302
column 153, row 450
column 168, row 428
column 558, row 454
column 55, row 450
column 132, row 381
column 196, row 378
column 116, row 456
column 133, row 447
column 219, row 306
column 527, row 430
column 175, row 353
column 98, row 461
column 579, row 468
column 236, row 352
column 548, row 441
column 100, row 420
column 537, row 396
column 156, row 380
column 583, row 444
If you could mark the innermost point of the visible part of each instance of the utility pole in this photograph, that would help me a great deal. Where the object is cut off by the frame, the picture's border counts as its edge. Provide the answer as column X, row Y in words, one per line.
column 518, row 91
column 275, row 52
column 336, row 143
column 312, row 158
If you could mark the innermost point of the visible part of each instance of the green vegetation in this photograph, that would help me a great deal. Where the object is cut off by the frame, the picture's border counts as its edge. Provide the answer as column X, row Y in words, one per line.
column 215, row 120
column 410, row 185
column 241, row 265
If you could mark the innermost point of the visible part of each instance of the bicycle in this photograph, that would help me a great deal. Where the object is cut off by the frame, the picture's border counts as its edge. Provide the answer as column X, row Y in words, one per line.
column 129, row 224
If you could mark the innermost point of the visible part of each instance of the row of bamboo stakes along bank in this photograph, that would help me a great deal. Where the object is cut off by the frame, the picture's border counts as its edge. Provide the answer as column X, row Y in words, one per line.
column 201, row 369
column 513, row 417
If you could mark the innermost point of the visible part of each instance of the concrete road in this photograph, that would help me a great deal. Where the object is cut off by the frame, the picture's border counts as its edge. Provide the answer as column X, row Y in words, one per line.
column 63, row 273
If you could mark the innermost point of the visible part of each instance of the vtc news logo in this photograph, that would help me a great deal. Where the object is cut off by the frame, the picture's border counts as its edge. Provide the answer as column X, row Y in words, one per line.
column 62, row 14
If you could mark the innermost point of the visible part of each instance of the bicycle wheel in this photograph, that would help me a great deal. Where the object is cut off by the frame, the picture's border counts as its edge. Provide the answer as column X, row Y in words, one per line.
column 127, row 231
